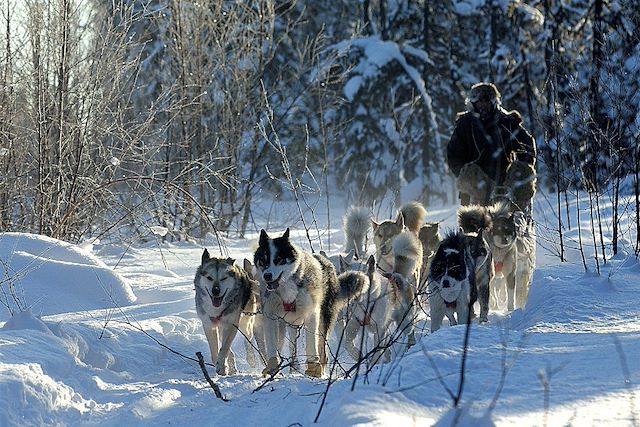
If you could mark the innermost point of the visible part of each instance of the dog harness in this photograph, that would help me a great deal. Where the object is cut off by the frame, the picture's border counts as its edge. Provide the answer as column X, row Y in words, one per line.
column 367, row 316
column 289, row 307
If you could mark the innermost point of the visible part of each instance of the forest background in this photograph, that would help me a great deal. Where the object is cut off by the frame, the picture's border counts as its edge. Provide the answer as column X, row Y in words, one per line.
column 117, row 116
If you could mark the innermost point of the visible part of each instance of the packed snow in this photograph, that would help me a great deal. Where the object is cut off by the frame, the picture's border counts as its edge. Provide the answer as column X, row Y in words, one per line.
column 109, row 334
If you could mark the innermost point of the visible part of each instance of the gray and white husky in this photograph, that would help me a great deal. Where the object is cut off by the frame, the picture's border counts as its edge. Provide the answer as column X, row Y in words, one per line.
column 223, row 292
column 503, row 241
column 511, row 238
column 368, row 311
column 513, row 244
column 402, row 309
column 526, row 243
column 301, row 290
column 429, row 236
column 384, row 306
column 398, row 248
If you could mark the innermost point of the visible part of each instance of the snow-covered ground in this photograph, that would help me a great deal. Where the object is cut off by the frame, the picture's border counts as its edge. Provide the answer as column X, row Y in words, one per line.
column 111, row 336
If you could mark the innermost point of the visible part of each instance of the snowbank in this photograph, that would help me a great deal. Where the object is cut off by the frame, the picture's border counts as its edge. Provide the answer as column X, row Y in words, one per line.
column 52, row 277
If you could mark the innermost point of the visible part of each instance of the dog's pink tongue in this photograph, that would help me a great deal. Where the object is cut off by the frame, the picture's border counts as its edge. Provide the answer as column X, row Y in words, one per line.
column 216, row 301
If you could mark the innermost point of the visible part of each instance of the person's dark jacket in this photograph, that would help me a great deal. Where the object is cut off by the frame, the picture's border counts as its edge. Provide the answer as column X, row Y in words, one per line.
column 491, row 145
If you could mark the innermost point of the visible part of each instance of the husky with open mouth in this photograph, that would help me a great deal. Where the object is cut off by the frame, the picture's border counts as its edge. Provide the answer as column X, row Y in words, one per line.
column 223, row 292
column 301, row 290
column 512, row 241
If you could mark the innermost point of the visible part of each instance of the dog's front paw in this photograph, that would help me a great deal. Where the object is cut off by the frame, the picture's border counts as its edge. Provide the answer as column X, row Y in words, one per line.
column 483, row 318
column 273, row 365
column 221, row 369
column 314, row 369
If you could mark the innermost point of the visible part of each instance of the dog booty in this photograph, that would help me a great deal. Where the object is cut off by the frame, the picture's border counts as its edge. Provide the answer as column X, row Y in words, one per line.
column 272, row 367
column 314, row 369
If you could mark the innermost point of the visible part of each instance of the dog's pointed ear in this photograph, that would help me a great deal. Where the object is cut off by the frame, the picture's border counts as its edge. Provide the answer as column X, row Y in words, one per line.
column 205, row 256
column 286, row 234
column 264, row 237
column 374, row 225
column 230, row 261
column 400, row 221
column 371, row 264
column 343, row 264
column 248, row 267
column 352, row 254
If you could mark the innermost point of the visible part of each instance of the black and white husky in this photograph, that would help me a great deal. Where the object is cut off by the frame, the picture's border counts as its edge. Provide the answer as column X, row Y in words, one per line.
column 223, row 292
column 301, row 290
column 452, row 277
column 475, row 220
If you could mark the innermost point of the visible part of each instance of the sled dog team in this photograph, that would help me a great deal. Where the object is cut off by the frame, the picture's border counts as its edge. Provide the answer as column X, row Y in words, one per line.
column 286, row 290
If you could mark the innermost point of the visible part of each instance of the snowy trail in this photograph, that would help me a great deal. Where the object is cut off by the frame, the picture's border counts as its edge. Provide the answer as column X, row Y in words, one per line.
column 89, row 367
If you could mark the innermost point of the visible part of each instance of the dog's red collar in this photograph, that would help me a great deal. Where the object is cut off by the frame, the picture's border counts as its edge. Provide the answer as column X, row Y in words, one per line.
column 366, row 321
column 367, row 316
column 498, row 266
column 289, row 307
column 451, row 304
column 216, row 319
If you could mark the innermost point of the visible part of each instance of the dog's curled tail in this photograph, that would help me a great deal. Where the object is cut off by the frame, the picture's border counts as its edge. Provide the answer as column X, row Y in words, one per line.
column 397, row 280
column 407, row 253
column 352, row 284
column 355, row 283
column 414, row 215
column 474, row 218
column 501, row 209
column 357, row 223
